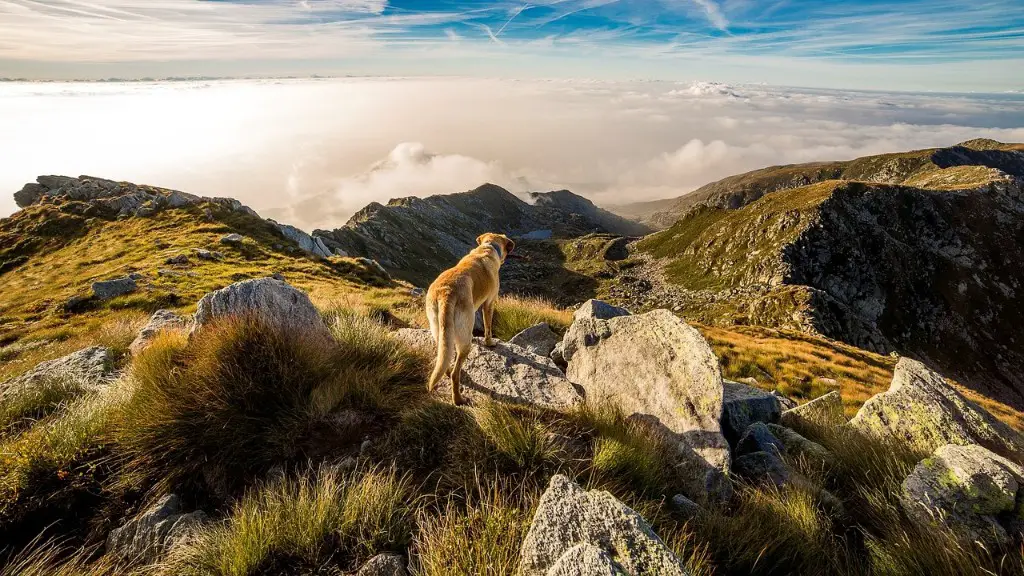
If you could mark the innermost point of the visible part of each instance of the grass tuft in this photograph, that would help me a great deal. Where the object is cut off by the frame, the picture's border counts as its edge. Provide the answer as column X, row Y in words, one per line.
column 513, row 314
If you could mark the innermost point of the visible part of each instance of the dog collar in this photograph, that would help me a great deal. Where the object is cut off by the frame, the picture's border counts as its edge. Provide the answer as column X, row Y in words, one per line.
column 497, row 248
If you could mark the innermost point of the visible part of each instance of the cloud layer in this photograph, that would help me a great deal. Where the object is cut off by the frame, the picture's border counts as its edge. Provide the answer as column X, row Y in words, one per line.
column 312, row 153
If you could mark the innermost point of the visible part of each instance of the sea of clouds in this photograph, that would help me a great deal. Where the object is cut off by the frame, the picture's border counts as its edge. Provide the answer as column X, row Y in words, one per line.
column 313, row 152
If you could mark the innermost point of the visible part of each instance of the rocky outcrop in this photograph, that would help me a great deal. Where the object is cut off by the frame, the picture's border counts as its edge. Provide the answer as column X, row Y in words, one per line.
column 574, row 528
column 824, row 411
column 744, row 405
column 539, row 339
column 796, row 446
column 160, row 320
column 417, row 238
column 86, row 368
column 272, row 300
column 311, row 244
column 922, row 410
column 107, row 289
column 384, row 565
column 505, row 372
column 972, row 491
column 150, row 535
column 660, row 368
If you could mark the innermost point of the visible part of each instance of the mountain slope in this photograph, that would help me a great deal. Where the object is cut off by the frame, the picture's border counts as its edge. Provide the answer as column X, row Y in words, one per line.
column 916, row 168
column 415, row 238
column 927, row 272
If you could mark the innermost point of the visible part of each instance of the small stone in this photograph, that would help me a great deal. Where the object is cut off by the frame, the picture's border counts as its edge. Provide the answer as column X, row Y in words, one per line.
column 417, row 292
column 208, row 255
column 232, row 239
column 743, row 405
column 147, row 537
column 274, row 301
column 177, row 260
column 686, row 507
column 278, row 276
column 107, row 289
column 797, row 446
column 384, row 565
column 365, row 446
column 598, row 310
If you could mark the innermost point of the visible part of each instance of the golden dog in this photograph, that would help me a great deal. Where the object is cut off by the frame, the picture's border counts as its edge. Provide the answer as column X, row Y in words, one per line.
column 452, row 302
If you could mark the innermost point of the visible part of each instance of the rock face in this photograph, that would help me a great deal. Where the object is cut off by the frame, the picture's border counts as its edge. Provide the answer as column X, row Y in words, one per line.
column 159, row 321
column 107, row 289
column 273, row 300
column 614, row 538
column 974, row 492
column 743, row 405
column 921, row 409
column 825, row 411
column 657, row 366
column 145, row 538
column 505, row 372
column 539, row 339
column 308, row 243
column 384, row 565
column 89, row 367
column 417, row 238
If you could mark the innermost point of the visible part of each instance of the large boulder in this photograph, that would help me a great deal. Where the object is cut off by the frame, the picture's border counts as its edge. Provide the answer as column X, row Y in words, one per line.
column 107, row 289
column 569, row 516
column 743, row 405
column 506, row 372
column 656, row 366
column 539, row 339
column 148, row 536
column 160, row 320
column 824, row 411
column 87, row 368
column 272, row 300
column 923, row 411
column 976, row 493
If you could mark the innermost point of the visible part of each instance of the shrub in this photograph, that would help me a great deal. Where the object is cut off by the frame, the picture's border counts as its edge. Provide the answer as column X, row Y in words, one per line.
column 243, row 395
column 513, row 314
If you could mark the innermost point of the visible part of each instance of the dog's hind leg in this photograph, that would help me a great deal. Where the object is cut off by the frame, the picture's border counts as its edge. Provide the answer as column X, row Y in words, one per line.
column 488, row 314
column 457, row 373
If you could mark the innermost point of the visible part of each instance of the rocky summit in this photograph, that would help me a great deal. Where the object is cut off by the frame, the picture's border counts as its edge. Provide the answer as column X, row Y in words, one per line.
column 814, row 370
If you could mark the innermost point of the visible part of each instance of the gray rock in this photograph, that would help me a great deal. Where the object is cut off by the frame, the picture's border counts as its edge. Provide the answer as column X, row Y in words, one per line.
column 177, row 260
column 688, row 508
column 159, row 321
column 557, row 357
column 923, row 411
column 784, row 402
column 107, row 289
column 796, row 446
column 232, row 239
column 568, row 516
column 539, row 339
column 743, row 405
column 136, row 276
column 505, row 372
column 976, row 493
column 375, row 266
column 29, row 194
column 824, row 411
column 147, row 537
column 272, row 300
column 89, row 368
column 758, row 438
column 585, row 560
column 762, row 466
column 656, row 366
column 384, row 565
column 306, row 242
column 598, row 310
column 417, row 292
column 208, row 255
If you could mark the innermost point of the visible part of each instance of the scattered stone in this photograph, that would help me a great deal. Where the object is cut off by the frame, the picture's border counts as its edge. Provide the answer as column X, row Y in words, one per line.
column 568, row 516
column 925, row 412
column 758, row 438
column 656, row 365
column 208, row 255
column 278, row 276
column 743, row 405
column 417, row 292
column 976, row 493
column 686, row 507
column 274, row 301
column 86, row 368
column 159, row 321
column 824, row 411
column 147, row 537
column 375, row 266
column 598, row 310
column 77, row 304
column 232, row 239
column 760, row 466
column 166, row 272
column 107, row 289
column 136, row 276
column 505, row 372
column 539, row 339
column 784, row 402
column 348, row 464
column 384, row 565
column 797, row 446
column 180, row 259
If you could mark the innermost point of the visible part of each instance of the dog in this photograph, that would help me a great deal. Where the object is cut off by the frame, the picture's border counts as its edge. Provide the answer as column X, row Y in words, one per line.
column 452, row 302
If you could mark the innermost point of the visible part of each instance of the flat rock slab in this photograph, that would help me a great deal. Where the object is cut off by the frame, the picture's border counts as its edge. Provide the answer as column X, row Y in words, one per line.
column 922, row 410
column 661, row 369
column 614, row 538
column 824, row 411
column 506, row 372
column 107, row 289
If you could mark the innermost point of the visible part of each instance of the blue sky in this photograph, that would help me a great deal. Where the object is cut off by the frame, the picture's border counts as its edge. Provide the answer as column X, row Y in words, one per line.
column 953, row 45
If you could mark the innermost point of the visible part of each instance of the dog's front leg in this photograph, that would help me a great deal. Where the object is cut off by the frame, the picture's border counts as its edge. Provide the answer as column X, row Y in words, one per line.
column 488, row 310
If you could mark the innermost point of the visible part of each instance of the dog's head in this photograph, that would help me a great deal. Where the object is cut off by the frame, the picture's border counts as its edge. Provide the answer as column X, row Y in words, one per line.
column 501, row 243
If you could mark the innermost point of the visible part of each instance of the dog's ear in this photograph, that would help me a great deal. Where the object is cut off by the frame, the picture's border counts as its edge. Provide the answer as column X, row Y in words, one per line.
column 509, row 246
column 480, row 239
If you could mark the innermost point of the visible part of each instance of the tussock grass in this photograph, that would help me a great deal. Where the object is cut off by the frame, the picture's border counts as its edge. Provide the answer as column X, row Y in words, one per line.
column 513, row 314
column 627, row 455
column 316, row 519
column 23, row 406
column 246, row 396
column 517, row 434
column 54, row 559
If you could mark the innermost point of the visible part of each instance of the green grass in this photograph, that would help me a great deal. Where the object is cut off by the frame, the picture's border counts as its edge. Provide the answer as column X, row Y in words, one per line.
column 517, row 434
column 513, row 314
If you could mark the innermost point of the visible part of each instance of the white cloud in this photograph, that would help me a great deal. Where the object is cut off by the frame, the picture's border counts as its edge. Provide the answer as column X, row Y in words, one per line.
column 312, row 153
column 714, row 14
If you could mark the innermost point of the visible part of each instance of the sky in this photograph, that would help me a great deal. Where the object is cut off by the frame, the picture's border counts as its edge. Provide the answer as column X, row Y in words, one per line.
column 313, row 152
column 917, row 45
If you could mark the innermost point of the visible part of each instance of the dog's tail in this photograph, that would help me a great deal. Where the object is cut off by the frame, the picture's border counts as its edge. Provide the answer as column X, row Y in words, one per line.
column 445, row 342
